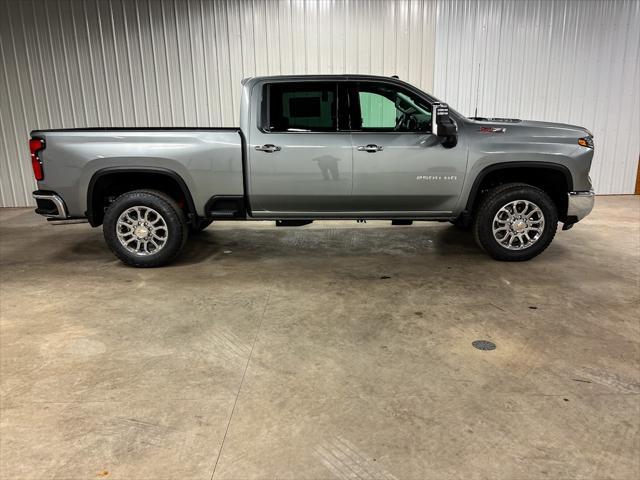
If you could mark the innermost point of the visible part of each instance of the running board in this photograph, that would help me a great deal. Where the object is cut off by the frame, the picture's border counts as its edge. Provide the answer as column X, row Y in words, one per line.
column 69, row 221
column 292, row 223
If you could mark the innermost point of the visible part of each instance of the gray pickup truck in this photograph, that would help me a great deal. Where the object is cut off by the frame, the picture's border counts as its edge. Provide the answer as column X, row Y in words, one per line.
column 320, row 147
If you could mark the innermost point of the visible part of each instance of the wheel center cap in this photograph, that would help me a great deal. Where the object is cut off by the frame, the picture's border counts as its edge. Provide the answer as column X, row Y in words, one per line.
column 519, row 226
column 141, row 231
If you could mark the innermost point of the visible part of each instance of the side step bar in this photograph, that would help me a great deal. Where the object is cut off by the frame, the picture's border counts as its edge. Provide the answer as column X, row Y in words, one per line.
column 292, row 223
column 68, row 221
column 401, row 222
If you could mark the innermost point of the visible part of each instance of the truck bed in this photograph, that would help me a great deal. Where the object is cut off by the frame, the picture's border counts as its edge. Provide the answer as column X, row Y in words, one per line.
column 207, row 160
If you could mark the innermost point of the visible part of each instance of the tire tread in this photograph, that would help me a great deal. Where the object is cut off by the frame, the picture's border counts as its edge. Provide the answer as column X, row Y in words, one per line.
column 149, row 263
column 499, row 253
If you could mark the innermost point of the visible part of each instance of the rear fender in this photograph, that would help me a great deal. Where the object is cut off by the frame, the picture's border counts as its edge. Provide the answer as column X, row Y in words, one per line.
column 103, row 172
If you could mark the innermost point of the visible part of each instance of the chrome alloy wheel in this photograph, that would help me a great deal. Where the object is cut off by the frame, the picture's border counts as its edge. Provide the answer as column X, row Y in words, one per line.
column 518, row 225
column 142, row 230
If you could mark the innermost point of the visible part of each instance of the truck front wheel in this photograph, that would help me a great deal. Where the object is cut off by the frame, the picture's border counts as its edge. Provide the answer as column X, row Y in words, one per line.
column 145, row 228
column 515, row 222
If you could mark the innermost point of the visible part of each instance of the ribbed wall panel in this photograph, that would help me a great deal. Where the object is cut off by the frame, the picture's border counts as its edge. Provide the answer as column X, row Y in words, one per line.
column 562, row 61
column 73, row 63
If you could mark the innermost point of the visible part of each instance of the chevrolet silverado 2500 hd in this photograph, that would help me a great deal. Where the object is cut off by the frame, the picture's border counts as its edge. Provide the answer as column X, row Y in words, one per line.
column 320, row 147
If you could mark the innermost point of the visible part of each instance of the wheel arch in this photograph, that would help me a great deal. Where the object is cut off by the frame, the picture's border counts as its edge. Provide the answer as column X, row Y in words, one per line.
column 554, row 178
column 133, row 178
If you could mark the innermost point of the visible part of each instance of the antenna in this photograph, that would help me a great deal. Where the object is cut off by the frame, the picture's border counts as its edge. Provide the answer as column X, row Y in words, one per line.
column 477, row 90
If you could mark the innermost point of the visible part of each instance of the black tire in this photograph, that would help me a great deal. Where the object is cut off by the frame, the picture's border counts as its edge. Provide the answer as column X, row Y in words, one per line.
column 500, row 196
column 200, row 225
column 173, row 217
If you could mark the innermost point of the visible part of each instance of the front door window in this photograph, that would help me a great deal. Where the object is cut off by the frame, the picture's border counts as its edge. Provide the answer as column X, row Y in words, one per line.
column 385, row 108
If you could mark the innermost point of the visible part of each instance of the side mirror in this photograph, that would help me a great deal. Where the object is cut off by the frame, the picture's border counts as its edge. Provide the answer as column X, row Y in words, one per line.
column 442, row 125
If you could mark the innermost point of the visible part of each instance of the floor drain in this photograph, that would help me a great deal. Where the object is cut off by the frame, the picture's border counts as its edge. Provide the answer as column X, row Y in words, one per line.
column 484, row 345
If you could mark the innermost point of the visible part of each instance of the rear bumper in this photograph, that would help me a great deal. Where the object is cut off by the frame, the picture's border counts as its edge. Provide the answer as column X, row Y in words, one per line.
column 579, row 205
column 50, row 205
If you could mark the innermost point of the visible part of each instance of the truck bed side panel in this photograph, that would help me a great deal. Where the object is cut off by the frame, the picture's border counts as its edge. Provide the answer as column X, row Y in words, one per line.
column 208, row 160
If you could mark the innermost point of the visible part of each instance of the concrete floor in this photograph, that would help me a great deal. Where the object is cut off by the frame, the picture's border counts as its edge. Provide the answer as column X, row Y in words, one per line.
column 328, row 351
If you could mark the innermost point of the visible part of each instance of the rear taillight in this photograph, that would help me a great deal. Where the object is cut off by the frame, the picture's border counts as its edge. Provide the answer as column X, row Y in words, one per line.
column 35, row 145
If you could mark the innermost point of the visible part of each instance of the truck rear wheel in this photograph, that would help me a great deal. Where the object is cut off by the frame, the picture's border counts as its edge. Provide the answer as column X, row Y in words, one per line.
column 145, row 228
column 515, row 222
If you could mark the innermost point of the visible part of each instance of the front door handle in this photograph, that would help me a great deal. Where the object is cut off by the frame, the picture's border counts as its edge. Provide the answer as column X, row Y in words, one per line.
column 371, row 148
column 269, row 148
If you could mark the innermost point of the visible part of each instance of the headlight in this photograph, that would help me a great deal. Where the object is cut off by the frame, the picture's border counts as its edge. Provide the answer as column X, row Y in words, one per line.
column 586, row 142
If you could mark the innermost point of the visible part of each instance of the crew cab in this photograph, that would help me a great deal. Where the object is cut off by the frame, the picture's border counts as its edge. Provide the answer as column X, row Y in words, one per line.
column 338, row 147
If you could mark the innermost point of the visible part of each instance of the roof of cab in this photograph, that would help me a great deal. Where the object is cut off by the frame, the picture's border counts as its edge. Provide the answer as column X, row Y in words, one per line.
column 343, row 76
column 249, row 82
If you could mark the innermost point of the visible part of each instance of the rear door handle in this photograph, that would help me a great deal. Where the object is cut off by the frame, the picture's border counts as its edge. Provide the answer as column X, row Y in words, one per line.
column 371, row 148
column 269, row 148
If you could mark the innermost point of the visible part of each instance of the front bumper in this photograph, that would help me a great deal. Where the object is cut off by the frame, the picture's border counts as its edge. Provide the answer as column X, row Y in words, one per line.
column 579, row 205
column 50, row 205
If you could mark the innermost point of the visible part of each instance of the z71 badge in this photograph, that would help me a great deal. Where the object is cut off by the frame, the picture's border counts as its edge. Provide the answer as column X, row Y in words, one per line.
column 492, row 130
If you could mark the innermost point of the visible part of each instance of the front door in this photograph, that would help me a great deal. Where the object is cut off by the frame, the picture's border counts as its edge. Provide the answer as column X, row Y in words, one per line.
column 299, row 162
column 399, row 166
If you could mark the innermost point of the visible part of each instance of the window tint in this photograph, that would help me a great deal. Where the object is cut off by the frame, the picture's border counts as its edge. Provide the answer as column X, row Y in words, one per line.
column 385, row 107
column 301, row 107
column 377, row 111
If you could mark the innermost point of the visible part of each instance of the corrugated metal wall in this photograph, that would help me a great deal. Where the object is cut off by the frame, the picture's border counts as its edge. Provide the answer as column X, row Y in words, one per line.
column 179, row 63
column 72, row 63
column 565, row 61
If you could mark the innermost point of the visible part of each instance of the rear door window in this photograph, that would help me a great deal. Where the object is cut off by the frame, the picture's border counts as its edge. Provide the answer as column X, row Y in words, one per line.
column 300, row 107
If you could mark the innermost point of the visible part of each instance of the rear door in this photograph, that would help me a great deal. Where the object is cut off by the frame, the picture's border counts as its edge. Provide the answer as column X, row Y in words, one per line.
column 399, row 166
column 299, row 161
